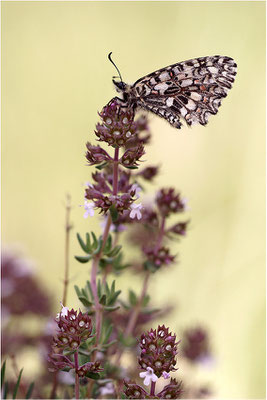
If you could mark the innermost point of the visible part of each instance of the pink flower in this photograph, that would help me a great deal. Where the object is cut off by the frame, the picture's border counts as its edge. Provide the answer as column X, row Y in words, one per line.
column 148, row 376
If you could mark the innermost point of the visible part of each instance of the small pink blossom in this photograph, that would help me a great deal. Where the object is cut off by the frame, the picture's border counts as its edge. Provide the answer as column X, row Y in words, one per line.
column 89, row 209
column 136, row 211
column 165, row 375
column 148, row 376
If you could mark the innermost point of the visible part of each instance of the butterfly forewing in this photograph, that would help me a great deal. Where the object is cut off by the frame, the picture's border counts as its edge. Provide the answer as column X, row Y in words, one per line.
column 190, row 89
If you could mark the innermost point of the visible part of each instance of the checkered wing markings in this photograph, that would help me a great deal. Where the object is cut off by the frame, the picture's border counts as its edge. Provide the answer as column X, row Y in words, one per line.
column 192, row 89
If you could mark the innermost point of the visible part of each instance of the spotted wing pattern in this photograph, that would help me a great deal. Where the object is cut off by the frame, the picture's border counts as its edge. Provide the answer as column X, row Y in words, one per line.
column 192, row 89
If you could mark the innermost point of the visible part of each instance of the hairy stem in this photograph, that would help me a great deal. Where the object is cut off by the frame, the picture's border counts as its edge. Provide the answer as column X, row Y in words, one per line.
column 152, row 388
column 98, row 307
column 77, row 383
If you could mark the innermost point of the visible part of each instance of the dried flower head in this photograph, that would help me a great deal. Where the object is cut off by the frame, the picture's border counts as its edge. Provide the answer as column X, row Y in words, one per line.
column 158, row 350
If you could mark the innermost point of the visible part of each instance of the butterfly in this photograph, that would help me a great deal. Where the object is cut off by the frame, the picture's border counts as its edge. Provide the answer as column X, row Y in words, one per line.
column 191, row 90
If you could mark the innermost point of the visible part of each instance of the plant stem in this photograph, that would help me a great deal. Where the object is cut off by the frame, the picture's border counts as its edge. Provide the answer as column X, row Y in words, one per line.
column 134, row 316
column 98, row 311
column 152, row 388
column 67, row 242
column 77, row 383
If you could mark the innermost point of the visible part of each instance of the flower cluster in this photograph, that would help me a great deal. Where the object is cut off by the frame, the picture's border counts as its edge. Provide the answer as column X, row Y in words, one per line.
column 117, row 124
column 169, row 202
column 157, row 359
column 159, row 256
column 158, row 350
column 101, row 192
column 195, row 344
column 73, row 329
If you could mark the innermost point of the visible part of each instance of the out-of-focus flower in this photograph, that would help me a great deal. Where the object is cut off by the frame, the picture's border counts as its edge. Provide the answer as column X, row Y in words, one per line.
column 89, row 209
column 21, row 292
column 171, row 391
column 148, row 376
column 159, row 256
column 149, row 173
column 165, row 375
column 107, row 389
column 179, row 228
column 169, row 202
column 195, row 344
column 136, row 211
column 158, row 350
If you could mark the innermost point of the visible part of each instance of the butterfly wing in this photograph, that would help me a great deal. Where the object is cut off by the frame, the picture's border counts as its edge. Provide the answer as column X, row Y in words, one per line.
column 192, row 89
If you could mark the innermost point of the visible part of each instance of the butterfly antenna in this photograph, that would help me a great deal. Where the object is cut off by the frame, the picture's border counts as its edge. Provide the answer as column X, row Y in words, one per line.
column 110, row 59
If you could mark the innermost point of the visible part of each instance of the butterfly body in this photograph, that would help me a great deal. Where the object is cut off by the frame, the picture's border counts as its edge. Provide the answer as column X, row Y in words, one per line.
column 191, row 90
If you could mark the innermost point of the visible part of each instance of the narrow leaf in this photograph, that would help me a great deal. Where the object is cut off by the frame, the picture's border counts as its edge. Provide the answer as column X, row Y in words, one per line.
column 29, row 391
column 83, row 260
column 3, row 370
column 82, row 244
column 17, row 385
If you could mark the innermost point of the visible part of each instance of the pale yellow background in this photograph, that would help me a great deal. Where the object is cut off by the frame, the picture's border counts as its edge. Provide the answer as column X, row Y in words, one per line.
column 56, row 76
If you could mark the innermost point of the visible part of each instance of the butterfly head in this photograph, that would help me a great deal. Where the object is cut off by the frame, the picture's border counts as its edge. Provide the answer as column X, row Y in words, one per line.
column 120, row 86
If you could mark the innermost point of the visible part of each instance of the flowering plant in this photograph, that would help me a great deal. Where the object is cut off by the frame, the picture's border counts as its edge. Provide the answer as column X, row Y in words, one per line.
column 90, row 345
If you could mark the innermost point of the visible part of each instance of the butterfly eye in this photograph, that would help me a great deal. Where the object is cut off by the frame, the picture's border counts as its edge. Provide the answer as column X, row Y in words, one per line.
column 119, row 85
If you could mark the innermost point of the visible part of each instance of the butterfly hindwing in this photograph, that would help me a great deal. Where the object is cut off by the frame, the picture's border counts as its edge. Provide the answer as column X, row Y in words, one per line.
column 192, row 89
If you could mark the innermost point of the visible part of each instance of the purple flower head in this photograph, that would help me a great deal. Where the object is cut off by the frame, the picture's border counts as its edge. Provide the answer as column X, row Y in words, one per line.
column 134, row 391
column 171, row 391
column 159, row 256
column 169, row 202
column 96, row 155
column 195, row 344
column 149, row 173
column 89, row 367
column 117, row 124
column 73, row 329
column 132, row 156
column 158, row 351
column 59, row 361
column 179, row 229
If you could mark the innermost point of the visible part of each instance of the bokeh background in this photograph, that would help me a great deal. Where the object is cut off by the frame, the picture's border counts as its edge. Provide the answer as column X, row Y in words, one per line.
column 56, row 76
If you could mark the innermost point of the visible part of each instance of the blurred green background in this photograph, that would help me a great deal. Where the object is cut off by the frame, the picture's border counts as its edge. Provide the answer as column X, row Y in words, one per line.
column 56, row 76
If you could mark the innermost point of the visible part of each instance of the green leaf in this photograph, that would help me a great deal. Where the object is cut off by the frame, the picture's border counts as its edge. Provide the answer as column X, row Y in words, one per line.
column 106, row 346
column 132, row 298
column 83, row 260
column 82, row 244
column 146, row 300
column 103, row 299
column 93, row 375
column 5, row 391
column 3, row 370
column 108, row 333
column 101, row 166
column 111, row 308
column 114, row 252
column 29, row 391
column 17, row 385
column 88, row 284
column 108, row 245
column 85, row 301
column 113, row 212
column 77, row 290
column 131, row 167
column 99, row 289
column 95, row 243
